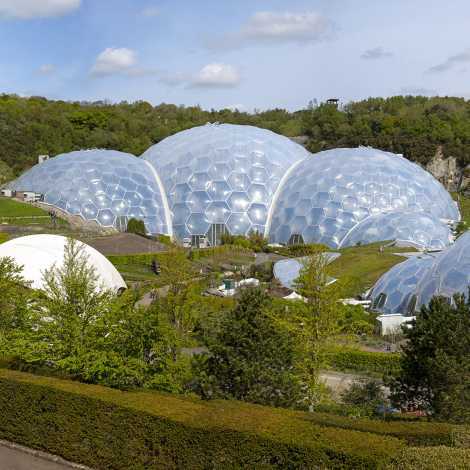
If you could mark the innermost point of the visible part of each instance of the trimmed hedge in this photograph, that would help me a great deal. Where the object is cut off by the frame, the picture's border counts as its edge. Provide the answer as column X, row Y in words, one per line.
column 346, row 359
column 432, row 458
column 415, row 433
column 139, row 258
column 107, row 428
column 229, row 250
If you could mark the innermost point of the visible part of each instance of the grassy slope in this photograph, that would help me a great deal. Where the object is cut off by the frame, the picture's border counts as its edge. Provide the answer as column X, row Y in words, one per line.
column 464, row 206
column 21, row 213
column 12, row 208
column 364, row 265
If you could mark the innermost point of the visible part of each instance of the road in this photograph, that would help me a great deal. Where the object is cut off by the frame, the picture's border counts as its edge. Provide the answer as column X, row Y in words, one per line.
column 26, row 459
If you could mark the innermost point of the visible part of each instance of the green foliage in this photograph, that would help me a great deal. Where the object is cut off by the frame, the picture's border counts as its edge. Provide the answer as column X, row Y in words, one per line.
column 263, row 271
column 413, row 126
column 11, row 208
column 136, row 226
column 299, row 250
column 315, row 320
column 414, row 432
column 431, row 458
column 250, row 357
column 346, row 360
column 14, row 303
column 105, row 428
column 435, row 366
column 355, row 320
column 6, row 173
column 366, row 394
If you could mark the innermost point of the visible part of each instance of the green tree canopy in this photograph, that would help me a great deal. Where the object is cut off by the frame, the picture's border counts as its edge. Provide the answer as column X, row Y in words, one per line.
column 435, row 372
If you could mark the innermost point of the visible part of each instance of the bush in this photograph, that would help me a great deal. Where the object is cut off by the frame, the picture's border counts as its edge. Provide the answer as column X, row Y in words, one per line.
column 367, row 394
column 413, row 432
column 136, row 226
column 343, row 359
column 300, row 250
column 432, row 458
column 106, row 428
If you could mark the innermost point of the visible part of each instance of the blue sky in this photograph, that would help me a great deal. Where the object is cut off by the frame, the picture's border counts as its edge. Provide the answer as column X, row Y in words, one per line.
column 249, row 54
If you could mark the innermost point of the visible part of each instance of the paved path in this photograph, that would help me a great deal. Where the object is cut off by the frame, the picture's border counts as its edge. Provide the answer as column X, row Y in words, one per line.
column 14, row 457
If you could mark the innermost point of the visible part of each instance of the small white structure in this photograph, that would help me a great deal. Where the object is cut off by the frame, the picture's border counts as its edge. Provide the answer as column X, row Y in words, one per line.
column 29, row 196
column 37, row 253
column 250, row 282
column 391, row 323
column 7, row 192
column 43, row 158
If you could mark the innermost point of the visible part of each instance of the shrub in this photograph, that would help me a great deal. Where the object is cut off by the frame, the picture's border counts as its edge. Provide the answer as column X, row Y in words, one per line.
column 413, row 432
column 432, row 458
column 344, row 359
column 106, row 428
column 136, row 226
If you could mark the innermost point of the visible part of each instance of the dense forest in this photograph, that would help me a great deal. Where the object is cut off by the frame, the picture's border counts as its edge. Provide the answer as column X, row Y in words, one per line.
column 414, row 126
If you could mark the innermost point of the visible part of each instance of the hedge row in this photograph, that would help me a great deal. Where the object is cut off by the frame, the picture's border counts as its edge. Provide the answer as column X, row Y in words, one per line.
column 415, row 433
column 140, row 258
column 230, row 250
column 107, row 428
column 345, row 359
column 432, row 458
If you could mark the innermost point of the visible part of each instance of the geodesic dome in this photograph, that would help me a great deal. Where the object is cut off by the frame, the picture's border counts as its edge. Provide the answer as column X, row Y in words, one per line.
column 449, row 275
column 393, row 292
column 104, row 186
column 409, row 228
column 325, row 196
column 36, row 253
column 223, row 175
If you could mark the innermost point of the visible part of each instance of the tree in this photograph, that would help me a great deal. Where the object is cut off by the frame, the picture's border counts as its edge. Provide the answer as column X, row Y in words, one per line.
column 435, row 366
column 6, row 173
column 71, row 306
column 368, row 395
column 316, row 319
column 15, row 312
column 250, row 358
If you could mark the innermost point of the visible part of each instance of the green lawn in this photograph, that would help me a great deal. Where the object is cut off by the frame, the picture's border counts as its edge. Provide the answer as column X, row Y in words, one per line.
column 364, row 265
column 22, row 213
column 11, row 208
column 464, row 206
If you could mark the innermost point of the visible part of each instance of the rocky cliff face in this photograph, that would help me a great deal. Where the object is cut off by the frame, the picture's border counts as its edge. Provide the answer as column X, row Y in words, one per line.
column 446, row 170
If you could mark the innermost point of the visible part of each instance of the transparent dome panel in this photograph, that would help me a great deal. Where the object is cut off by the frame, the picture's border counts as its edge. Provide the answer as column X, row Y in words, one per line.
column 336, row 190
column 409, row 228
column 394, row 290
column 99, row 185
column 226, row 173
column 449, row 275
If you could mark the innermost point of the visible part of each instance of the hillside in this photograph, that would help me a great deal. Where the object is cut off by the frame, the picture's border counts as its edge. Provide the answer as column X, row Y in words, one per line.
column 414, row 126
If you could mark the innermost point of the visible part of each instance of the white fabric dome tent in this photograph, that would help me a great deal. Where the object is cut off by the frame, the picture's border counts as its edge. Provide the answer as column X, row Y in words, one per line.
column 37, row 253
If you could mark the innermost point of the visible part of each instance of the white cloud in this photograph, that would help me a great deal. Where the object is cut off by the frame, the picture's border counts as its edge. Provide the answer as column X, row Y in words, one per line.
column 451, row 62
column 28, row 9
column 47, row 69
column 115, row 61
column 151, row 12
column 376, row 53
column 216, row 75
column 267, row 27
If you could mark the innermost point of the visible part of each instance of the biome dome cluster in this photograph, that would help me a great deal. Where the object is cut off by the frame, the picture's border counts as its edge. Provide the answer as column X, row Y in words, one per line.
column 413, row 283
column 216, row 179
